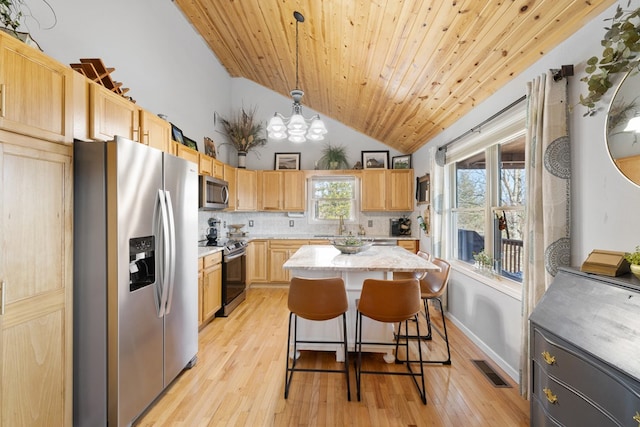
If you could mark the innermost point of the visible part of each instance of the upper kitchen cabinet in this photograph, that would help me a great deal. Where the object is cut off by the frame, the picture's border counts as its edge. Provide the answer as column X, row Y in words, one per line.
column 399, row 190
column 246, row 194
column 36, row 328
column 155, row 131
column 230, row 175
column 36, row 93
column 111, row 114
column 282, row 191
column 387, row 190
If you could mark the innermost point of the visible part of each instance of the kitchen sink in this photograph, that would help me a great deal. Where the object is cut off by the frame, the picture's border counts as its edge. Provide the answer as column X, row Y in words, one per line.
column 325, row 235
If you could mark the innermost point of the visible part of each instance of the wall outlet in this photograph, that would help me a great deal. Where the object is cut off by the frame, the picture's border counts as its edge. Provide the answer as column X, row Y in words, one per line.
column 370, row 223
column 291, row 223
column 250, row 223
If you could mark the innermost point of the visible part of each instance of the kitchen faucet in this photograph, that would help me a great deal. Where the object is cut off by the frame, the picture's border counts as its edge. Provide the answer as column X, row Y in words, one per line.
column 341, row 227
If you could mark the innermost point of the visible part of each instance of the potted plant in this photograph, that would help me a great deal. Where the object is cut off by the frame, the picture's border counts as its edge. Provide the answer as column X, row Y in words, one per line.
column 484, row 260
column 633, row 259
column 621, row 45
column 11, row 14
column 244, row 133
column 333, row 157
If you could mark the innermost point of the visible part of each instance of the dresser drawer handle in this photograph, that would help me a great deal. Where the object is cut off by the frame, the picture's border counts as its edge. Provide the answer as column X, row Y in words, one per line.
column 552, row 398
column 551, row 360
column 637, row 418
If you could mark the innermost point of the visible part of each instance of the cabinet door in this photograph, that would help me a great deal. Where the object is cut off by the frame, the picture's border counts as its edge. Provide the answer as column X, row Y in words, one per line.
column 211, row 291
column 400, row 190
column 218, row 168
column 206, row 165
column 294, row 189
column 200, row 289
column 36, row 93
column 246, row 190
column 277, row 274
column 373, row 189
column 155, row 131
column 111, row 115
column 36, row 329
column 188, row 154
column 230, row 176
column 258, row 270
column 410, row 245
column 271, row 191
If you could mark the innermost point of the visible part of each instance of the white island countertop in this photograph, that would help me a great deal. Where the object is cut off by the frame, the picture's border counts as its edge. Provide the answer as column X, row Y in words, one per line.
column 376, row 258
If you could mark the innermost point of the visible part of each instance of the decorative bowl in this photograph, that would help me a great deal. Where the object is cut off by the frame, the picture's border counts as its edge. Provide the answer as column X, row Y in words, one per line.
column 351, row 245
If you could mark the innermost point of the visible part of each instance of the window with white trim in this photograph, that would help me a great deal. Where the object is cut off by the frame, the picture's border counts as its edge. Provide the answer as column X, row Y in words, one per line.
column 332, row 197
column 487, row 195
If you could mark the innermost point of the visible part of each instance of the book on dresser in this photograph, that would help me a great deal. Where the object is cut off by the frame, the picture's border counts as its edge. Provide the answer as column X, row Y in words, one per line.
column 607, row 263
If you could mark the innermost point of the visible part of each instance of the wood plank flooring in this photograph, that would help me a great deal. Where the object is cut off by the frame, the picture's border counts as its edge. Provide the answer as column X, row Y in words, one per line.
column 239, row 381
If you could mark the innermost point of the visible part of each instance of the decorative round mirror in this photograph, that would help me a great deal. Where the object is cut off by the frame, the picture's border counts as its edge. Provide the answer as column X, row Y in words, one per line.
column 622, row 127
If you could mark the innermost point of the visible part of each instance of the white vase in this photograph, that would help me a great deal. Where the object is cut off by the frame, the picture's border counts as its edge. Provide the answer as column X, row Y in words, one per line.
column 635, row 269
column 242, row 159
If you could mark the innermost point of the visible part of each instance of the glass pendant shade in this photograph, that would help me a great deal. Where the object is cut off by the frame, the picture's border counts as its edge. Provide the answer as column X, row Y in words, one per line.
column 633, row 125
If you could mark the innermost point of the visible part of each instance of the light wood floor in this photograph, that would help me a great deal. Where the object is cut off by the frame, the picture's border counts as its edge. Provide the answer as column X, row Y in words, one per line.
column 239, row 381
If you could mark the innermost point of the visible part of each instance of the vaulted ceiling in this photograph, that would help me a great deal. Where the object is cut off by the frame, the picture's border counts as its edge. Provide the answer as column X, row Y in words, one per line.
column 399, row 71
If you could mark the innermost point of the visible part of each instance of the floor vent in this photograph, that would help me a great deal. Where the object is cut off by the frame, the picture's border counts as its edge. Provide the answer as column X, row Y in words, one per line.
column 491, row 375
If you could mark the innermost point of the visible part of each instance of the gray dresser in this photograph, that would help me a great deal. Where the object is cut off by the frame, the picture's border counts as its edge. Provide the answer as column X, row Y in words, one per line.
column 585, row 352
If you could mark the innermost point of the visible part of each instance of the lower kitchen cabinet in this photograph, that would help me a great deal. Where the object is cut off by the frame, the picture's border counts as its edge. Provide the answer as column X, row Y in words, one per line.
column 211, row 287
column 279, row 253
column 257, row 267
column 410, row 245
column 36, row 325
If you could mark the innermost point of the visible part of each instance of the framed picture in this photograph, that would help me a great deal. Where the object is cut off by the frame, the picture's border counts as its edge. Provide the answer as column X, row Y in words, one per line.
column 401, row 162
column 189, row 143
column 287, row 161
column 375, row 159
column 176, row 134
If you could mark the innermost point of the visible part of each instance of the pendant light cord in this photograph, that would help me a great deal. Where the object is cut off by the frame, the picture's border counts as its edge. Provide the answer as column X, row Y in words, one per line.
column 299, row 18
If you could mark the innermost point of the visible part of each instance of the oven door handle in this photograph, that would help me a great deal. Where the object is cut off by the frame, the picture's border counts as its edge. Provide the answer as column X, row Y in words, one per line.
column 232, row 257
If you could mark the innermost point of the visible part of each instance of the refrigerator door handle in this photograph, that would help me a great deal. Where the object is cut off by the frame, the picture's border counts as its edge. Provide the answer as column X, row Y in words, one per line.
column 162, row 234
column 172, row 250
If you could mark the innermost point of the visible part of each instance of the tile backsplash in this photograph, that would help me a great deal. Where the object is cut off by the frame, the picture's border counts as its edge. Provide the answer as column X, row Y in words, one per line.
column 280, row 223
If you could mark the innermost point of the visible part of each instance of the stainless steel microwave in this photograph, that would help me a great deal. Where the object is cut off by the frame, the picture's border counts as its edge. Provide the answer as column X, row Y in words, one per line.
column 214, row 193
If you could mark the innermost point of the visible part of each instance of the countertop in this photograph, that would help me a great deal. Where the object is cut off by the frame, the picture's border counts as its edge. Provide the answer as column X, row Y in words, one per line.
column 208, row 250
column 302, row 236
column 376, row 258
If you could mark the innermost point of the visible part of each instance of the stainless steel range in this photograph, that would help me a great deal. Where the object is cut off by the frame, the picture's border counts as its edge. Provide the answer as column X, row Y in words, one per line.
column 234, row 275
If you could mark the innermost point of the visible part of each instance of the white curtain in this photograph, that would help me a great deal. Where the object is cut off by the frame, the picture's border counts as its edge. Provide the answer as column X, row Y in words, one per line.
column 547, row 244
column 437, row 209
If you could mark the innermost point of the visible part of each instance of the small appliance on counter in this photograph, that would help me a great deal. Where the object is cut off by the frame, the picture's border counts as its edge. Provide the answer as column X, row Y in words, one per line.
column 212, row 232
column 400, row 226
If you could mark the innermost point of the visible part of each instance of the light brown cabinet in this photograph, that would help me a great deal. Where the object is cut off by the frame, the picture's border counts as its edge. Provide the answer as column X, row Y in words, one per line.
column 36, row 92
column 211, row 287
column 387, row 190
column 410, row 245
column 257, row 267
column 187, row 153
column 36, row 323
column 246, row 190
column 110, row 114
column 155, row 131
column 279, row 252
column 230, row 175
column 206, row 165
column 282, row 191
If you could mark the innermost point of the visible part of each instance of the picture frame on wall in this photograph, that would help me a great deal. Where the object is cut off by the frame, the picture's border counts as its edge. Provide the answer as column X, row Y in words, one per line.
column 375, row 159
column 287, row 161
column 401, row 162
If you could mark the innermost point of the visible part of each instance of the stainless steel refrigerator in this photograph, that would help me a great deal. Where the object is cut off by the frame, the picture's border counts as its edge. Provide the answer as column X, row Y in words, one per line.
column 135, row 277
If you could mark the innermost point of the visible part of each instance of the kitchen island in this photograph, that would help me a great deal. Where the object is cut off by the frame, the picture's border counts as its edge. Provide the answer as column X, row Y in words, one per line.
column 378, row 262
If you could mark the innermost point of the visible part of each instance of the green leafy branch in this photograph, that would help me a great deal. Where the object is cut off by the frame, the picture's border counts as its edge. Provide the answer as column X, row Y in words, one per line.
column 621, row 45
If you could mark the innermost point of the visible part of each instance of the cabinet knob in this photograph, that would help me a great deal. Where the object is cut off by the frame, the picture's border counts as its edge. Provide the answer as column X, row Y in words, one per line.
column 637, row 418
column 552, row 398
column 551, row 360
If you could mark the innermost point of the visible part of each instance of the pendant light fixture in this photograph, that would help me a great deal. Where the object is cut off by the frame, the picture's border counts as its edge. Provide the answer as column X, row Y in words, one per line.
column 296, row 128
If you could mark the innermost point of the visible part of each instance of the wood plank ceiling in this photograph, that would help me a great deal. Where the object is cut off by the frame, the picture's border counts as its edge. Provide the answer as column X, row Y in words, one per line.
column 399, row 71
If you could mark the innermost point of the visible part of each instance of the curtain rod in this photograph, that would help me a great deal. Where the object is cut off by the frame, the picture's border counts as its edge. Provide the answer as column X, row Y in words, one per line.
column 475, row 128
column 558, row 74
